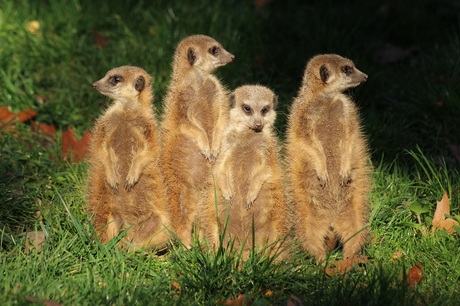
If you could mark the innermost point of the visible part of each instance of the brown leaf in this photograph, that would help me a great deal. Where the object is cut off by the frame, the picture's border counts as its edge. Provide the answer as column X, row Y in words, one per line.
column 33, row 26
column 239, row 301
column 35, row 240
column 440, row 222
column 294, row 301
column 388, row 53
column 415, row 275
column 26, row 114
column 101, row 40
column 73, row 148
column 261, row 3
column 45, row 302
column 7, row 117
column 455, row 150
column 397, row 255
column 341, row 266
column 43, row 128
column 175, row 285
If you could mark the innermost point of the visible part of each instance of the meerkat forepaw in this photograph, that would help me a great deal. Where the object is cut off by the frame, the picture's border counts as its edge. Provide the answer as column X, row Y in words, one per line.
column 131, row 180
column 227, row 194
column 345, row 178
column 323, row 180
column 214, row 154
column 113, row 182
column 345, row 181
column 250, row 199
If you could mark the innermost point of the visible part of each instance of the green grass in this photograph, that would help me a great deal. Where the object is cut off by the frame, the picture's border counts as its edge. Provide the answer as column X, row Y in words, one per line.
column 410, row 111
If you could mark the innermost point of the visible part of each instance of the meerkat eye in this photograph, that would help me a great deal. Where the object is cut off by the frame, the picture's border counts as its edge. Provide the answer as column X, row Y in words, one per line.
column 214, row 50
column 247, row 109
column 347, row 69
column 114, row 80
column 264, row 110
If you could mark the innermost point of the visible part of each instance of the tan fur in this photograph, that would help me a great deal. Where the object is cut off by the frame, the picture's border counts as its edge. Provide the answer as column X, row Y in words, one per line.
column 126, row 187
column 192, row 127
column 327, row 159
column 247, row 174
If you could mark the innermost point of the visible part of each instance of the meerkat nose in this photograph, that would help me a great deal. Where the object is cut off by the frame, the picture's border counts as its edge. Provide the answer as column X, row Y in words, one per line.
column 95, row 86
column 232, row 57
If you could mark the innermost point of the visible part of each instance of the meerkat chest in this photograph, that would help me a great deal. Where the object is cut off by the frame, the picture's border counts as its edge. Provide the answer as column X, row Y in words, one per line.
column 330, row 121
column 246, row 153
column 126, row 133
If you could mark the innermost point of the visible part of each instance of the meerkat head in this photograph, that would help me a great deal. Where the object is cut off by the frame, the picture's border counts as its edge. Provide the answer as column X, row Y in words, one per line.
column 125, row 83
column 203, row 53
column 253, row 107
column 333, row 73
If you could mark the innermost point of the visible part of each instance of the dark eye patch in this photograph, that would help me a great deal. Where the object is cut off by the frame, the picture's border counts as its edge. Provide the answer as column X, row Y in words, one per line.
column 347, row 69
column 265, row 110
column 214, row 50
column 115, row 79
column 246, row 109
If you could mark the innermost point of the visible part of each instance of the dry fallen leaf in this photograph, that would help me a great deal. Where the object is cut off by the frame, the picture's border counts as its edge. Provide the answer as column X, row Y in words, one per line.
column 33, row 26
column 7, row 117
column 35, row 240
column 341, row 266
column 73, row 148
column 239, row 301
column 100, row 40
column 397, row 255
column 44, row 302
column 261, row 3
column 440, row 222
column 415, row 276
column 294, row 301
column 388, row 53
column 43, row 128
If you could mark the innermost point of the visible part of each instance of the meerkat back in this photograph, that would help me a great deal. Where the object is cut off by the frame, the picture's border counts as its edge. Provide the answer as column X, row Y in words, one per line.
column 327, row 159
column 247, row 174
column 192, row 127
column 126, row 188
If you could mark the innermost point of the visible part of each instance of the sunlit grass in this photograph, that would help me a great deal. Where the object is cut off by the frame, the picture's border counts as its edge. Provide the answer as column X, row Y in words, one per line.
column 410, row 112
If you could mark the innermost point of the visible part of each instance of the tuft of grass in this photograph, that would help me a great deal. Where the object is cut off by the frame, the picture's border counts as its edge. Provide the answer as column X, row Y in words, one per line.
column 410, row 109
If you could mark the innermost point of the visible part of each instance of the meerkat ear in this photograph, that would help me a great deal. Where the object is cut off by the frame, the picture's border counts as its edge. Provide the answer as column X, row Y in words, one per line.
column 140, row 84
column 231, row 100
column 275, row 101
column 324, row 73
column 191, row 56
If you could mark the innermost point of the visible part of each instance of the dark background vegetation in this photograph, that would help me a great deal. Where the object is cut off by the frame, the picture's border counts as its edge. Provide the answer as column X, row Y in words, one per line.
column 410, row 103
column 408, row 49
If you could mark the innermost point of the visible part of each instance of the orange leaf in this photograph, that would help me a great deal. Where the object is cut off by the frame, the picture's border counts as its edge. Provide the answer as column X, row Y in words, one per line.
column 73, row 148
column 261, row 3
column 439, row 220
column 43, row 128
column 7, row 117
column 26, row 114
column 35, row 240
column 239, row 301
column 397, row 255
column 415, row 275
column 101, row 40
column 341, row 266
column 294, row 301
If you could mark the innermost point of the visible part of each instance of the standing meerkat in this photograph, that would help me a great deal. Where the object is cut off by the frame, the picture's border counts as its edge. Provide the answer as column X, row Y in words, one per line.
column 248, row 181
column 327, row 159
column 192, row 127
column 126, row 187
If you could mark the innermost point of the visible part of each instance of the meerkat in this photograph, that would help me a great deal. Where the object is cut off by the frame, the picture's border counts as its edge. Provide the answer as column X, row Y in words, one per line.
column 126, row 187
column 192, row 127
column 327, row 159
column 247, row 174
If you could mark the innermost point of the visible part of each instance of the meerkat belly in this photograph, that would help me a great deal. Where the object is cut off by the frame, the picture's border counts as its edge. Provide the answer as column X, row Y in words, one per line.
column 247, row 159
